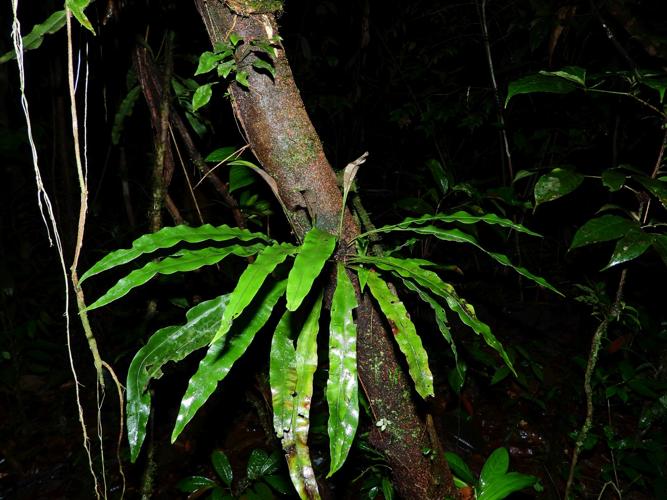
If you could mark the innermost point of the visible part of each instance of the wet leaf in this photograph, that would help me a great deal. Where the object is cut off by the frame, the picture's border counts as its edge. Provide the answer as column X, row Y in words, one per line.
column 202, row 96
column 539, row 83
column 222, row 355
column 167, row 238
column 282, row 375
column 405, row 334
column 656, row 187
column 556, row 184
column 631, row 246
column 261, row 464
column 605, row 228
column 172, row 343
column 181, row 261
column 251, row 281
column 317, row 247
column 77, row 7
column 342, row 386
column 222, row 466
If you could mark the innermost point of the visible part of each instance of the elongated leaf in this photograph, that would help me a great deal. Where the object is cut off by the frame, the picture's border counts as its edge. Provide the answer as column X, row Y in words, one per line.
column 222, row 466
column 440, row 319
column 539, row 83
column 222, row 355
column 200, row 484
column 342, row 386
column 412, row 269
column 296, row 445
column 251, row 281
column 459, row 236
column 77, row 7
column 182, row 261
column 202, row 96
column 502, row 486
column 574, row 74
column 556, row 184
column 317, row 247
column 405, row 334
column 460, row 468
column 167, row 238
column 605, row 228
column 34, row 39
column 460, row 217
column 172, row 343
column 282, row 375
column 631, row 246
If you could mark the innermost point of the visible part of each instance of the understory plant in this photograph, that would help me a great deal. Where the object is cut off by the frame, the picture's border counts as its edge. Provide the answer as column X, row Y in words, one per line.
column 288, row 280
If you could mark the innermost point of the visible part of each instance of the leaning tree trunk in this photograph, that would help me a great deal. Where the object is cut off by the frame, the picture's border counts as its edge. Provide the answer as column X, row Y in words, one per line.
column 286, row 144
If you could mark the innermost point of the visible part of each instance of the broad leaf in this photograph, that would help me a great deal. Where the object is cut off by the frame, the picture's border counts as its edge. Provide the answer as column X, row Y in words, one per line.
column 613, row 179
column 502, row 486
column 460, row 468
column 202, row 96
column 208, row 61
column 656, row 187
column 167, row 238
column 405, row 334
column 222, row 466
column 540, row 83
column 496, row 465
column 182, row 261
column 34, row 39
column 261, row 464
column 412, row 269
column 222, row 355
column 631, row 246
column 605, row 228
column 342, row 386
column 223, row 154
column 172, row 343
column 317, row 247
column 461, row 217
column 251, row 281
column 77, row 7
column 295, row 441
column 200, row 484
column 556, row 184
column 458, row 236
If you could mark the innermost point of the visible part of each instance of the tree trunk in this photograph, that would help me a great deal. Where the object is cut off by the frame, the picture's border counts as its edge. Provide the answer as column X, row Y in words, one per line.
column 286, row 144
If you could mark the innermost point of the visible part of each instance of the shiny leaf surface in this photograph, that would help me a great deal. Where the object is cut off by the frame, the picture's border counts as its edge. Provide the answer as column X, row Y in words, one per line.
column 251, row 281
column 317, row 247
column 202, row 96
column 172, row 343
column 556, row 184
column 222, row 355
column 261, row 464
column 167, row 238
column 342, row 386
column 282, row 375
column 405, row 334
column 222, row 466
column 631, row 246
column 77, row 7
column 605, row 228
column 502, row 486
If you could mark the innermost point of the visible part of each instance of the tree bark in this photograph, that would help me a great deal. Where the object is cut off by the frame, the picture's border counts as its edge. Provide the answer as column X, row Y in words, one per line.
column 284, row 141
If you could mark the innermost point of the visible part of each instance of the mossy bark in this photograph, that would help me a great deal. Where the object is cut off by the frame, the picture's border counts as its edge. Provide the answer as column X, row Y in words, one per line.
column 283, row 139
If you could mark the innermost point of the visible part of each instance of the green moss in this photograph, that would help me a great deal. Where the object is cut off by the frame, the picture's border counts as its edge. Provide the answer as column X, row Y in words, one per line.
column 248, row 7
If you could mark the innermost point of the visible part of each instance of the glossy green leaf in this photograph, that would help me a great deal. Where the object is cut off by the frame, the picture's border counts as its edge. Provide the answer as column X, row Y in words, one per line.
column 202, row 96
column 573, row 74
column 605, row 228
column 460, row 468
column 458, row 236
column 261, row 464
column 207, row 62
column 124, row 110
column 167, row 238
column 199, row 484
column 172, row 343
column 656, row 187
column 181, row 261
column 34, row 39
column 282, row 375
column 342, row 386
column 241, row 78
column 405, row 334
column 613, row 179
column 251, row 281
column 631, row 246
column 240, row 177
column 428, row 280
column 496, row 465
column 223, row 154
column 556, row 184
column 660, row 246
column 502, row 486
column 77, row 7
column 222, row 466
column 317, row 247
column 440, row 319
column 261, row 64
column 461, row 217
column 533, row 84
column 222, row 355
